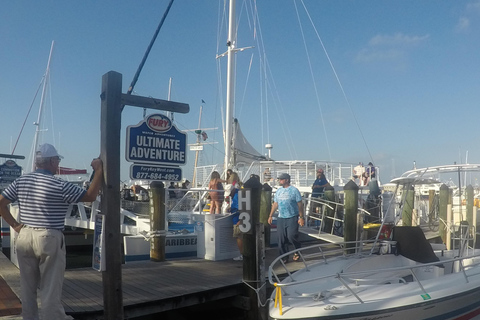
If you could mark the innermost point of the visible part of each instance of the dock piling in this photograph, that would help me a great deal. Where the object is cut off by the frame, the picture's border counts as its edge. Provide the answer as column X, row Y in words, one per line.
column 350, row 217
column 157, row 221
column 254, row 253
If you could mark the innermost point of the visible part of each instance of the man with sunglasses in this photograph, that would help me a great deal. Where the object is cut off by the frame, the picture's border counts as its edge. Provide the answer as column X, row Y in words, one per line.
column 288, row 201
column 43, row 201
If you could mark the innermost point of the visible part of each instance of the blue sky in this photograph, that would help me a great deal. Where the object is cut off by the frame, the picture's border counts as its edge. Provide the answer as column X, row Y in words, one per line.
column 408, row 72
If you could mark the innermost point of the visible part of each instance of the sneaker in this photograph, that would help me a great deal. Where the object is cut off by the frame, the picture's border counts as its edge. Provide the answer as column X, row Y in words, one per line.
column 239, row 258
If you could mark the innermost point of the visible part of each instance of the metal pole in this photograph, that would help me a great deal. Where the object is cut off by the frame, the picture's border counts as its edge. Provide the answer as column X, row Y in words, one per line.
column 40, row 111
column 230, row 86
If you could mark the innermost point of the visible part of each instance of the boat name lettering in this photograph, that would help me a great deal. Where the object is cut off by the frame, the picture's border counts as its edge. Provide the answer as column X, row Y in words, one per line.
column 181, row 242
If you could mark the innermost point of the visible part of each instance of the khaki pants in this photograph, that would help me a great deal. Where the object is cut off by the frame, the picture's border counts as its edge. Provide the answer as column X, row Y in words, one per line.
column 41, row 258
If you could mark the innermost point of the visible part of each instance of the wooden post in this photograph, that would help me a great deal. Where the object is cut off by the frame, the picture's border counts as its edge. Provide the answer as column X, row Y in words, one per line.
column 329, row 196
column 442, row 214
column 448, row 226
column 350, row 216
column 110, row 123
column 414, row 218
column 254, row 252
column 157, row 221
column 431, row 204
column 265, row 207
column 408, row 205
column 470, row 200
column 112, row 102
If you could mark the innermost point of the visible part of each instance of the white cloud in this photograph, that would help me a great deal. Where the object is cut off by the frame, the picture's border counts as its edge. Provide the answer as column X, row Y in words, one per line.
column 389, row 47
column 471, row 14
column 373, row 54
column 398, row 39
column 463, row 24
column 474, row 7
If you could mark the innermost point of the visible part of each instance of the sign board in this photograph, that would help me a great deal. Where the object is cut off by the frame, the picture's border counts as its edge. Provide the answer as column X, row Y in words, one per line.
column 147, row 172
column 9, row 171
column 196, row 148
column 98, row 259
column 156, row 140
column 245, row 208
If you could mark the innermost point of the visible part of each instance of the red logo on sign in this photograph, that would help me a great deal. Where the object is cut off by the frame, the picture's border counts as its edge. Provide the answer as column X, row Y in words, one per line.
column 159, row 122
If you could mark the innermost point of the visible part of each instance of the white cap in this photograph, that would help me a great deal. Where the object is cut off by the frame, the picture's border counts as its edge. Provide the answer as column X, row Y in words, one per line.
column 47, row 151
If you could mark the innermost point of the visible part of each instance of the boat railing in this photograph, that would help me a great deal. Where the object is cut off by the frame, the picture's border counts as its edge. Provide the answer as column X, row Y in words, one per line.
column 323, row 253
column 193, row 200
column 330, row 218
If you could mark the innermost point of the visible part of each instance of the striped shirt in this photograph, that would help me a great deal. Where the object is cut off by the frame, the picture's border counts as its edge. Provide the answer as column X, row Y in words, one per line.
column 43, row 199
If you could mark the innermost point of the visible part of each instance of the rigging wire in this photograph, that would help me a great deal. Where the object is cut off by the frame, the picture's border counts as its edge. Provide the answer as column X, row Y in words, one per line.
column 28, row 113
column 338, row 80
column 147, row 52
column 270, row 89
column 314, row 82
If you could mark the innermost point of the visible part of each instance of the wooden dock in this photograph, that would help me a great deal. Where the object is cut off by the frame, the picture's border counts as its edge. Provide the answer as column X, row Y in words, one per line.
column 148, row 287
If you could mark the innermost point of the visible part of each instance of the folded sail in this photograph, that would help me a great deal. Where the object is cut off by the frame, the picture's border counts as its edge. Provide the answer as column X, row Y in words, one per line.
column 243, row 151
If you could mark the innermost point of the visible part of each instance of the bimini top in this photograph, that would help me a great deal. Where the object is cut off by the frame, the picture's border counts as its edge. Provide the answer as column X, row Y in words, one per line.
column 430, row 175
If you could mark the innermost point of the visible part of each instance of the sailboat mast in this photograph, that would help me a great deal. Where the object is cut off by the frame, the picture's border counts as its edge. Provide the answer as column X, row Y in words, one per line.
column 40, row 111
column 230, row 86
column 198, row 132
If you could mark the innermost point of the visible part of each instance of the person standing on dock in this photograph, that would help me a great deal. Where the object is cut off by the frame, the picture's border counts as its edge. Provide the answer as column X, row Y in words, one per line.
column 43, row 201
column 288, row 201
column 216, row 193
column 318, row 188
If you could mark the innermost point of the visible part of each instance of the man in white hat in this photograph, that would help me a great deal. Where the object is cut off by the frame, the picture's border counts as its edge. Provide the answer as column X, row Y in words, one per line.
column 288, row 201
column 43, row 203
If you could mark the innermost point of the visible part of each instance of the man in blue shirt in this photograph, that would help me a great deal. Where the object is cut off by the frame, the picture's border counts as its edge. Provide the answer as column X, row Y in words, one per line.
column 318, row 189
column 319, row 184
column 289, row 203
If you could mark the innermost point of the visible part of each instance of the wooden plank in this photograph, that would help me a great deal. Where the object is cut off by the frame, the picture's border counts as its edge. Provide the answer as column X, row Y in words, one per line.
column 152, row 103
column 321, row 235
column 160, row 285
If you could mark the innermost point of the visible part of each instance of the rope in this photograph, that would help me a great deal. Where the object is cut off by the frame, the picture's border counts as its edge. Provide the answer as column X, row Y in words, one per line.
column 257, row 291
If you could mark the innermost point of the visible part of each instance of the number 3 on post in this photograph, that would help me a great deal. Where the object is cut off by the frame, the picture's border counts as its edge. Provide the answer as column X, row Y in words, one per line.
column 246, row 225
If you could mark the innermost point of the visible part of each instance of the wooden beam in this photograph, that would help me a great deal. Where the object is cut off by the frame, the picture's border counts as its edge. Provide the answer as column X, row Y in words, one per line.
column 11, row 156
column 110, row 123
column 152, row 103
